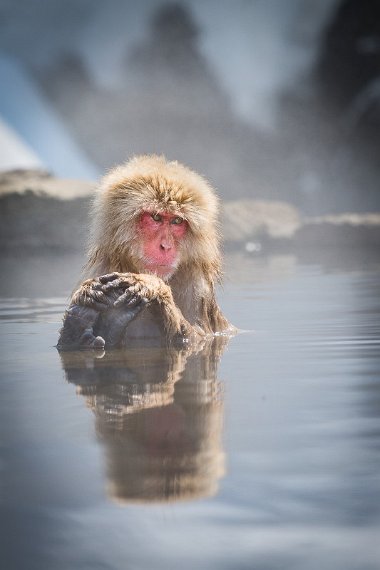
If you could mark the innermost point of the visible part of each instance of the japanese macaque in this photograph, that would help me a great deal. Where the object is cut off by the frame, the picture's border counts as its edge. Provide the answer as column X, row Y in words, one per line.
column 153, row 263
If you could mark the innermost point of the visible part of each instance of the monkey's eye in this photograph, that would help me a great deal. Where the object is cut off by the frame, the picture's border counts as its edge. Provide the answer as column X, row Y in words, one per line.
column 177, row 220
column 156, row 217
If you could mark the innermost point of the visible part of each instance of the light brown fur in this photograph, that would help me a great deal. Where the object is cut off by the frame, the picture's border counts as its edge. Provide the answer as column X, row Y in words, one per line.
column 185, row 303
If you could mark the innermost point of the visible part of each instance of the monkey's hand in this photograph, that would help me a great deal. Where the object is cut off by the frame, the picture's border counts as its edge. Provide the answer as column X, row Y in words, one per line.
column 153, row 289
column 78, row 329
column 81, row 316
column 129, row 285
column 92, row 321
column 89, row 294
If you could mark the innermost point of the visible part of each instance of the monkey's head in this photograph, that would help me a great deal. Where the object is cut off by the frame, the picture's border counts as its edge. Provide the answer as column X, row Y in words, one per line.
column 155, row 216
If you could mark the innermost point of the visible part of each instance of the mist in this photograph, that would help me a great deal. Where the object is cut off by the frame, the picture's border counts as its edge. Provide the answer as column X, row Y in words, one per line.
column 260, row 97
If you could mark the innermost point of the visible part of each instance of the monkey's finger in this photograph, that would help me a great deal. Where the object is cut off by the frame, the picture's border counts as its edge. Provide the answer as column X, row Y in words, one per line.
column 142, row 291
column 137, row 300
column 89, row 340
column 108, row 277
column 82, row 312
column 99, row 300
column 134, row 289
column 81, row 317
column 130, row 300
column 98, row 342
column 126, row 298
column 135, row 306
column 96, row 286
column 121, row 283
column 111, row 277
column 112, row 285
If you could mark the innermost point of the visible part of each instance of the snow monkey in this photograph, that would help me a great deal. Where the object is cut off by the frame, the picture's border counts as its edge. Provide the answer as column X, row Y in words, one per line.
column 153, row 263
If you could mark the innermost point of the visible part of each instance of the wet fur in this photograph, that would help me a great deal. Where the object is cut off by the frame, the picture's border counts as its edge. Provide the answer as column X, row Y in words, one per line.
column 186, row 301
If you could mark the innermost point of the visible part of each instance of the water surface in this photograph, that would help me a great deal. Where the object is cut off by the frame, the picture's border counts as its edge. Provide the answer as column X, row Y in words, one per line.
column 261, row 452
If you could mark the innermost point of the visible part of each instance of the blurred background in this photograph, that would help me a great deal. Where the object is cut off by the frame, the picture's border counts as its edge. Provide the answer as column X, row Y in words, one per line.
column 266, row 98
column 277, row 103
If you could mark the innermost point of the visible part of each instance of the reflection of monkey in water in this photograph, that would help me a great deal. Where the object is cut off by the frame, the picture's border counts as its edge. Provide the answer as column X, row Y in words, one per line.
column 154, row 260
column 159, row 415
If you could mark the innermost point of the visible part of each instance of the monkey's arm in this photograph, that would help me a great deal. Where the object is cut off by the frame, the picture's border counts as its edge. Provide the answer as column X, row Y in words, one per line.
column 92, row 321
column 212, row 317
column 153, row 289
column 78, row 329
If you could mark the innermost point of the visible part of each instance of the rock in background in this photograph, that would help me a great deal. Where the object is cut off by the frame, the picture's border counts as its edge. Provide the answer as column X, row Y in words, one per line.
column 41, row 213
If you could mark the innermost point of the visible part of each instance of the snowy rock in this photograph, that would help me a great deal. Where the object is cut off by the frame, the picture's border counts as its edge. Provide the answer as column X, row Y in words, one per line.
column 41, row 213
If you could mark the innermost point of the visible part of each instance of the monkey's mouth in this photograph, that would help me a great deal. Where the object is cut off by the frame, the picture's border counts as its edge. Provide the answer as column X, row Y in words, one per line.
column 163, row 270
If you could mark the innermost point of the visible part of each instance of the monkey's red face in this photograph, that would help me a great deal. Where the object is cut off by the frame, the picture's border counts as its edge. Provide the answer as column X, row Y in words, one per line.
column 161, row 235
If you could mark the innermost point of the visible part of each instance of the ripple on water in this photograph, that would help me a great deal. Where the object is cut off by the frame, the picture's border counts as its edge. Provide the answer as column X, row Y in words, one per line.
column 22, row 310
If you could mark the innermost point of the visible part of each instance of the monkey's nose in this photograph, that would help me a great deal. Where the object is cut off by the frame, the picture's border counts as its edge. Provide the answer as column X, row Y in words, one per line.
column 165, row 246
